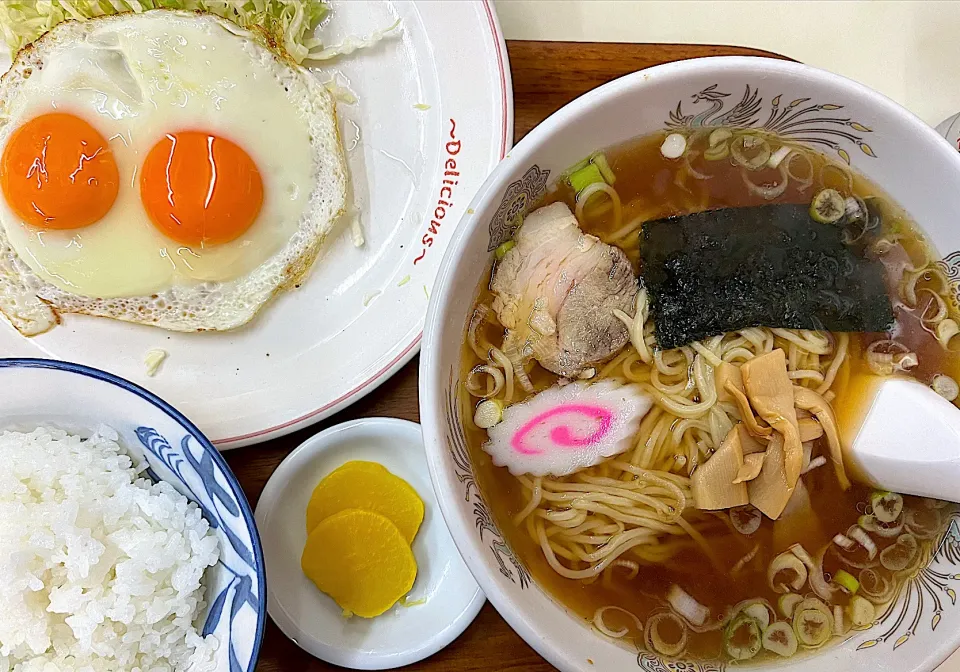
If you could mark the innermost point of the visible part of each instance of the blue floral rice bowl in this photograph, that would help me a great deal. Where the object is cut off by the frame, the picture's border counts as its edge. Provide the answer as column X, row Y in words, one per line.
column 78, row 404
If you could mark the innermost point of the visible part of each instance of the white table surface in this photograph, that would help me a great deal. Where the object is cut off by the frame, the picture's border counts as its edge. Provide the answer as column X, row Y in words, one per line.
column 905, row 49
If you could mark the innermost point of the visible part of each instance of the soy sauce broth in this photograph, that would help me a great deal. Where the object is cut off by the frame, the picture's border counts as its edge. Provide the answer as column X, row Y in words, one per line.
column 653, row 187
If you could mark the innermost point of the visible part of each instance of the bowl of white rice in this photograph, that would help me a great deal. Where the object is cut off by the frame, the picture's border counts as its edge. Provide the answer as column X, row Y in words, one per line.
column 126, row 542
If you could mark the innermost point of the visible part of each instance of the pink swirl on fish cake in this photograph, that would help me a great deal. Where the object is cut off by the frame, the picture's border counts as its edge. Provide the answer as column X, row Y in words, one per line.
column 561, row 430
column 561, row 435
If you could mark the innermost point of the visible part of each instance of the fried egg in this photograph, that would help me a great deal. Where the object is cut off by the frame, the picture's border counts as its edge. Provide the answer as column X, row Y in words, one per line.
column 166, row 168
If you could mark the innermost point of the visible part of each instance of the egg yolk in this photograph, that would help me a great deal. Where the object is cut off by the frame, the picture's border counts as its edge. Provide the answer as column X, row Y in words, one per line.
column 200, row 189
column 58, row 172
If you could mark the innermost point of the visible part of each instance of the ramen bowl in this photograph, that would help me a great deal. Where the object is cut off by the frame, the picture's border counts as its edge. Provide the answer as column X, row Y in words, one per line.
column 837, row 117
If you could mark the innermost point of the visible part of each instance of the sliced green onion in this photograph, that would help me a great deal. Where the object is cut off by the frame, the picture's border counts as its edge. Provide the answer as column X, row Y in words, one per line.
column 818, row 583
column 886, row 506
column 853, row 556
column 745, row 519
column 844, row 542
column 780, row 639
column 687, row 606
column 778, row 156
column 759, row 613
column 946, row 330
column 720, row 135
column 786, row 562
column 788, row 603
column 885, row 530
column 859, row 535
column 862, row 612
column 930, row 503
column 583, row 178
column 923, row 523
column 877, row 586
column 813, row 603
column 741, row 639
column 750, row 151
column 847, row 581
column 489, row 413
column 813, row 627
column 594, row 168
column 623, row 631
column 717, row 153
column 886, row 357
column 767, row 191
column 657, row 642
column 579, row 165
column 945, row 386
column 900, row 556
column 855, row 209
column 503, row 248
column 838, row 625
column 804, row 180
column 827, row 207
column 600, row 161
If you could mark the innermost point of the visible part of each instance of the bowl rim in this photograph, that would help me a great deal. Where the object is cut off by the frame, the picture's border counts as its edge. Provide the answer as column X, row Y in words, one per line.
column 218, row 459
column 431, row 377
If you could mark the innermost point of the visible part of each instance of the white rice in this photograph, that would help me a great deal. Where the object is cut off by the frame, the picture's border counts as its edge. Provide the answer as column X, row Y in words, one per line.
column 100, row 568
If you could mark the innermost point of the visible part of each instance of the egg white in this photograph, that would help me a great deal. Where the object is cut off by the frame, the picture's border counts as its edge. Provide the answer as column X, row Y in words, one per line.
column 135, row 77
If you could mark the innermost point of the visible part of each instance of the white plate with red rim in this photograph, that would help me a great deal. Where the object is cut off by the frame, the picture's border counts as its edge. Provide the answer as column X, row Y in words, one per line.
column 434, row 115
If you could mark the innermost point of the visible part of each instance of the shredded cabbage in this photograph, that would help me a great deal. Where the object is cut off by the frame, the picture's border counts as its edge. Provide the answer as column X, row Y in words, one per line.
column 290, row 23
column 351, row 44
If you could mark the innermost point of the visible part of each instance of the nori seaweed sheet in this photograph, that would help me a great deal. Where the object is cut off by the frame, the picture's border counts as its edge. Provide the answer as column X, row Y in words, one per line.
column 772, row 265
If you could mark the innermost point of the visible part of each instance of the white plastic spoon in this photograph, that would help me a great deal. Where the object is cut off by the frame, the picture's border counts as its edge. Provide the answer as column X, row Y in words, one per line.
column 905, row 438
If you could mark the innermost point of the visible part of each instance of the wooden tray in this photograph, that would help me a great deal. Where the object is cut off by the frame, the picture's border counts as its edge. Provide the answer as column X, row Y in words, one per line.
column 546, row 76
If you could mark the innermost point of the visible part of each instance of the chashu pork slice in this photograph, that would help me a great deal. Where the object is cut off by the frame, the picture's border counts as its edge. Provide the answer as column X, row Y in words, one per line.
column 556, row 290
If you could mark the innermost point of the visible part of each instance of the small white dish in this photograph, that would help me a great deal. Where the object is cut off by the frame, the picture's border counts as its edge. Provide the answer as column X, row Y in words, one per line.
column 402, row 635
